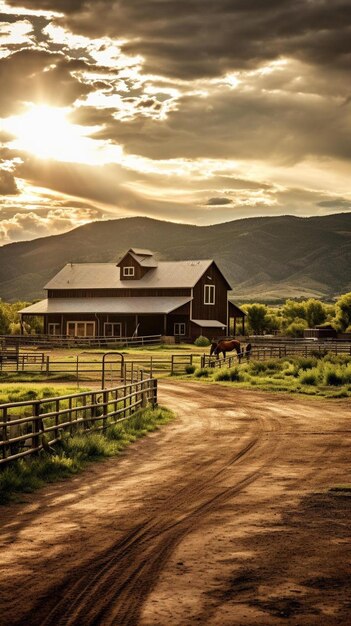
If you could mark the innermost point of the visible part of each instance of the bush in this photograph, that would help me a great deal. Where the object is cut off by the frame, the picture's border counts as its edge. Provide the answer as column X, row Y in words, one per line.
column 202, row 372
column 202, row 342
column 309, row 377
column 333, row 376
column 190, row 369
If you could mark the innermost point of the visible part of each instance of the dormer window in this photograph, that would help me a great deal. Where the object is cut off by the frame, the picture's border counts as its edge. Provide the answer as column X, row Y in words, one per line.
column 128, row 271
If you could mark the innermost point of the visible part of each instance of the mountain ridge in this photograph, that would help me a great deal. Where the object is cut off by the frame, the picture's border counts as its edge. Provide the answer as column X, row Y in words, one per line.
column 264, row 258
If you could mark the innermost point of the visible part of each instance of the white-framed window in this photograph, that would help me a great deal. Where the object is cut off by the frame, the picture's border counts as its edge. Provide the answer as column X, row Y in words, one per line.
column 179, row 328
column 112, row 329
column 81, row 329
column 54, row 329
column 209, row 294
column 128, row 270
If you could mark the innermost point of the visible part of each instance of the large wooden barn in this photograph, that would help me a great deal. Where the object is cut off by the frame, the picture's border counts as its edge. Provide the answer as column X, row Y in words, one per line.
column 139, row 296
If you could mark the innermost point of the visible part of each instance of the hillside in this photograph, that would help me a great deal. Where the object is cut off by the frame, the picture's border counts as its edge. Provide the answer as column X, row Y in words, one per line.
column 263, row 258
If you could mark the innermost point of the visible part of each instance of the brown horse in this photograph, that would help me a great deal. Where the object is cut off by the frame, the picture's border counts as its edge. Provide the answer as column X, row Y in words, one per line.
column 226, row 345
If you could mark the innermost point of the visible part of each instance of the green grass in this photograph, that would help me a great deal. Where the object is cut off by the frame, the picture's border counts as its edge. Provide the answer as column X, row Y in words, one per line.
column 23, row 393
column 328, row 376
column 73, row 453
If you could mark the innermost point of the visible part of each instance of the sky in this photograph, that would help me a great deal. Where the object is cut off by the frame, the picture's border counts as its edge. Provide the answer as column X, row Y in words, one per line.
column 192, row 111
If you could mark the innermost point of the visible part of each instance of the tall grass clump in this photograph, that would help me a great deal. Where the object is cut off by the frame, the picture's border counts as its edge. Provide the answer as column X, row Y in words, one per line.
column 309, row 376
column 202, row 372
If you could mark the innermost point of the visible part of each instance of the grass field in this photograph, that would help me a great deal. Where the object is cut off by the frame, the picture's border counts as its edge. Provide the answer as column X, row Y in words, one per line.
column 329, row 376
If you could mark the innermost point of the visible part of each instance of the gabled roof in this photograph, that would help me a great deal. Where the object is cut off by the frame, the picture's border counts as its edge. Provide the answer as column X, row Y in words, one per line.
column 168, row 274
column 141, row 252
column 107, row 305
column 144, row 261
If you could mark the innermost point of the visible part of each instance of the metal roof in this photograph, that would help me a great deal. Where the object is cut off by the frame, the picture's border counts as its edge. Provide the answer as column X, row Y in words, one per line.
column 144, row 261
column 209, row 323
column 141, row 252
column 106, row 305
column 174, row 274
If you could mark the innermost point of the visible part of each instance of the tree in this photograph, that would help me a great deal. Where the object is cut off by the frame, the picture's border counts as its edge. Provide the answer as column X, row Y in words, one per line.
column 315, row 312
column 257, row 319
column 342, row 319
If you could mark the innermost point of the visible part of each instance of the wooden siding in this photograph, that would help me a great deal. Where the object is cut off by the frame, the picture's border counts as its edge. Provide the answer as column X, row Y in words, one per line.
column 218, row 310
column 118, row 293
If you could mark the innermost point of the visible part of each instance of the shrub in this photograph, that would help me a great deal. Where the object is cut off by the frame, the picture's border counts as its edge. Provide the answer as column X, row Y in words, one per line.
column 333, row 375
column 202, row 341
column 202, row 372
column 190, row 369
column 222, row 374
column 309, row 377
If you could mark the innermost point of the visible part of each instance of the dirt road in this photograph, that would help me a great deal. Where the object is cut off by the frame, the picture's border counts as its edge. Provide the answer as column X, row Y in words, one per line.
column 224, row 517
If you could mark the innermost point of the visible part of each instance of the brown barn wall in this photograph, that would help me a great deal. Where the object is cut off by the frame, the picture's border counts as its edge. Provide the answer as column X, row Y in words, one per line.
column 217, row 311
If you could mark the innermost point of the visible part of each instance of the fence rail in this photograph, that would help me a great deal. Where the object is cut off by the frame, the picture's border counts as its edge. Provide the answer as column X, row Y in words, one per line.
column 83, row 368
column 27, row 427
column 66, row 341
column 263, row 352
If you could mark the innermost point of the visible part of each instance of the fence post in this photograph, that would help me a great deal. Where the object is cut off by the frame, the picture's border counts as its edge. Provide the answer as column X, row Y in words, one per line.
column 104, row 408
column 143, row 390
column 36, row 425
column 47, row 365
column 4, row 430
column 172, row 364
column 154, row 392
column 202, row 362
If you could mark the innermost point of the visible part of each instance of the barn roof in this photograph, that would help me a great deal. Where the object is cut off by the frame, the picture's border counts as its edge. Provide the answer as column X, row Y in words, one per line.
column 106, row 305
column 209, row 323
column 175, row 274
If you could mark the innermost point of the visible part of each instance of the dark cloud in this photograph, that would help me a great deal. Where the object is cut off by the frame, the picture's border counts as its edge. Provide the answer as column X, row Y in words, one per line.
column 8, row 184
column 341, row 204
column 218, row 201
column 195, row 38
column 38, row 76
column 241, row 125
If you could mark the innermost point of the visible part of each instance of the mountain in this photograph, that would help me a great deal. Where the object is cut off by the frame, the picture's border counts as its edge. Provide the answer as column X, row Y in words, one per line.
column 263, row 258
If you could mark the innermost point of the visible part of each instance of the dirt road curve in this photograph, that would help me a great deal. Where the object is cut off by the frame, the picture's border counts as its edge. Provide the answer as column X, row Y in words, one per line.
column 222, row 518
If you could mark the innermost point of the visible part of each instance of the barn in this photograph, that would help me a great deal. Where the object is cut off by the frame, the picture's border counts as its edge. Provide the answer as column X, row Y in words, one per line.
column 138, row 296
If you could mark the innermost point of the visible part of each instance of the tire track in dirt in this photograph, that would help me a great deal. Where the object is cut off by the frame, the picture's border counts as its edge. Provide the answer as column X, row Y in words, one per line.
column 112, row 589
column 227, row 448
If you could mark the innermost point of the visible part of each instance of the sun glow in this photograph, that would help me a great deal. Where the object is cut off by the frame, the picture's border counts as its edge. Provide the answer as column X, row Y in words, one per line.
column 47, row 133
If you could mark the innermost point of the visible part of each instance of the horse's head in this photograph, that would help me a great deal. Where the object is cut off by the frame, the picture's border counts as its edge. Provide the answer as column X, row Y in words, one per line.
column 213, row 347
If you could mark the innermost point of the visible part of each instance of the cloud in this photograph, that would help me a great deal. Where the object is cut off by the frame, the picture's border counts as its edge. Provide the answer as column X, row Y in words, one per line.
column 29, row 225
column 38, row 76
column 218, row 201
column 8, row 184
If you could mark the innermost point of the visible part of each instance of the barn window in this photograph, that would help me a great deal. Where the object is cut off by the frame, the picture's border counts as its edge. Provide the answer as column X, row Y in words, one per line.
column 129, row 270
column 81, row 329
column 113, row 329
column 54, row 329
column 179, row 328
column 209, row 294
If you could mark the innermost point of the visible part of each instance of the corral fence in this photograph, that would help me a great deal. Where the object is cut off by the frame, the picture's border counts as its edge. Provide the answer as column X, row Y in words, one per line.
column 66, row 341
column 89, row 367
column 28, row 427
column 264, row 351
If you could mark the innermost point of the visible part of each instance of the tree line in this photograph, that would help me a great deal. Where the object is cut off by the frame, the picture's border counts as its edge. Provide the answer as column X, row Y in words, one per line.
column 294, row 316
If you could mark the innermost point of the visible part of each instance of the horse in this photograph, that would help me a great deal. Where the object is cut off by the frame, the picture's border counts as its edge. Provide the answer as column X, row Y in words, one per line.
column 225, row 345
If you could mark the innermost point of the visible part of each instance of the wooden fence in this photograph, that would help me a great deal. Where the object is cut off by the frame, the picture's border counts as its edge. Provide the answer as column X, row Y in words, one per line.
column 264, row 352
column 85, row 367
column 27, row 427
column 66, row 341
